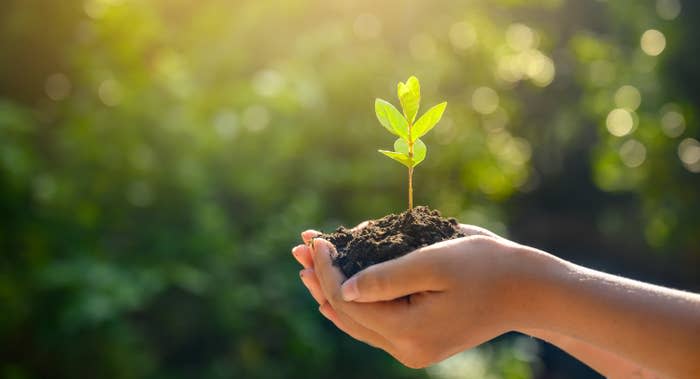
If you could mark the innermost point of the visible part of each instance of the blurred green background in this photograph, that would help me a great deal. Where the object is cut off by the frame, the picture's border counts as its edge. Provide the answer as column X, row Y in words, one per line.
column 159, row 158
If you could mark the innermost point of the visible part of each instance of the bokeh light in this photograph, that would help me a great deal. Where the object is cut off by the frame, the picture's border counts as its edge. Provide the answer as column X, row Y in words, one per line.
column 110, row 92
column 485, row 100
column 226, row 123
column 521, row 37
column 540, row 68
column 668, row 9
column 628, row 97
column 672, row 121
column 268, row 83
column 653, row 42
column 462, row 35
column 619, row 122
column 689, row 154
column 256, row 117
column 57, row 86
column 633, row 153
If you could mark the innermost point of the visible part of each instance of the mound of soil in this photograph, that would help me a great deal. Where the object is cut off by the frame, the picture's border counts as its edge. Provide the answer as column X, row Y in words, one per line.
column 389, row 237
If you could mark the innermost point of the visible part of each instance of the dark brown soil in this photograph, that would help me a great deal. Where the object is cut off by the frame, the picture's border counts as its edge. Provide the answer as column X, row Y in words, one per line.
column 389, row 237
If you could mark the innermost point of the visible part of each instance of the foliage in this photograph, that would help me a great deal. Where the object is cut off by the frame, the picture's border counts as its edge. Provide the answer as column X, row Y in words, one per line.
column 409, row 149
column 159, row 158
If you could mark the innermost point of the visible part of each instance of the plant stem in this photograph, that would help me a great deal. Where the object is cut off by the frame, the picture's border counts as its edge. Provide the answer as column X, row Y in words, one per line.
column 410, row 188
column 410, row 169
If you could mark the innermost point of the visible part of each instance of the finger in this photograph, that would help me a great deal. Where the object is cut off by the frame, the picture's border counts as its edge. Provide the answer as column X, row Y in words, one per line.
column 354, row 329
column 302, row 254
column 308, row 235
column 380, row 317
column 308, row 277
column 415, row 272
column 328, row 312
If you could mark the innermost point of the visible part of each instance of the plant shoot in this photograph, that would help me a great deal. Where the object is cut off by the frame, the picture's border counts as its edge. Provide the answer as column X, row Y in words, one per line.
column 409, row 150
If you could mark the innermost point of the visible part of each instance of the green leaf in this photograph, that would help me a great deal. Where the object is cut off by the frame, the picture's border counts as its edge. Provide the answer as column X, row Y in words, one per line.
column 428, row 120
column 401, row 146
column 391, row 118
column 409, row 95
column 399, row 157
column 419, row 150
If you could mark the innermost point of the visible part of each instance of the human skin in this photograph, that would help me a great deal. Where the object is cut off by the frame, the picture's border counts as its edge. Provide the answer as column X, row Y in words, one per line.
column 481, row 286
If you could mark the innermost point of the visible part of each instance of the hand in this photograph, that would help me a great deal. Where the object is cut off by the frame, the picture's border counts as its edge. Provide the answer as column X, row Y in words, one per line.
column 442, row 299
column 425, row 303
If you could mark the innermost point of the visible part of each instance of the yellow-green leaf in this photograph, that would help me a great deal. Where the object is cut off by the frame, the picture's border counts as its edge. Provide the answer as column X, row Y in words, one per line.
column 401, row 146
column 391, row 118
column 409, row 95
column 419, row 150
column 428, row 120
column 399, row 157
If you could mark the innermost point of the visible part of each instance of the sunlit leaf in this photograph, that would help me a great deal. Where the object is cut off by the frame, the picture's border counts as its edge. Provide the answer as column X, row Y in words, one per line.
column 409, row 95
column 428, row 120
column 391, row 118
column 401, row 146
column 399, row 157
column 419, row 150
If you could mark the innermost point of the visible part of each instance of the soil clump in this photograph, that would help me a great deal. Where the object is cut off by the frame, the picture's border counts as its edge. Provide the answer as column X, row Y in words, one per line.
column 389, row 237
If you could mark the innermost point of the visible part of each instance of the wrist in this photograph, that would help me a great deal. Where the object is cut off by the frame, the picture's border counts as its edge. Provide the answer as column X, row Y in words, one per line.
column 531, row 277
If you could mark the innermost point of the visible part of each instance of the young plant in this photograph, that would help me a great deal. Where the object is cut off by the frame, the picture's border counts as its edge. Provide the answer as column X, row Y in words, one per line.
column 409, row 149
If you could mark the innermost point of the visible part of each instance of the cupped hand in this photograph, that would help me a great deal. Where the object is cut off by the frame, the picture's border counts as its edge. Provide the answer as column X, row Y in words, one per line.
column 424, row 306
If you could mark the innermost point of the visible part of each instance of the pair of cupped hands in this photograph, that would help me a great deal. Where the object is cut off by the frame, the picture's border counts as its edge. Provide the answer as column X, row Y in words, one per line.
column 424, row 306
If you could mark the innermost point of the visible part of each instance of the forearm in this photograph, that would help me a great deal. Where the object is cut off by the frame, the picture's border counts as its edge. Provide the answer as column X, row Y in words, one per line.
column 637, row 321
column 604, row 362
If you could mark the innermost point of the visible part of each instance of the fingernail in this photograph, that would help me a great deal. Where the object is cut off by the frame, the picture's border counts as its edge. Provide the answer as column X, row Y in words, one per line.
column 295, row 250
column 349, row 290
column 311, row 240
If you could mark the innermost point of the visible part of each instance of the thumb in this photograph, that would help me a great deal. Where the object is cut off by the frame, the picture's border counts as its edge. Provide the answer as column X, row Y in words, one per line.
column 409, row 274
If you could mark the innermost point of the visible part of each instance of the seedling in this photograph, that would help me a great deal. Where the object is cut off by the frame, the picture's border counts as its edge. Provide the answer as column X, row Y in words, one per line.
column 409, row 149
